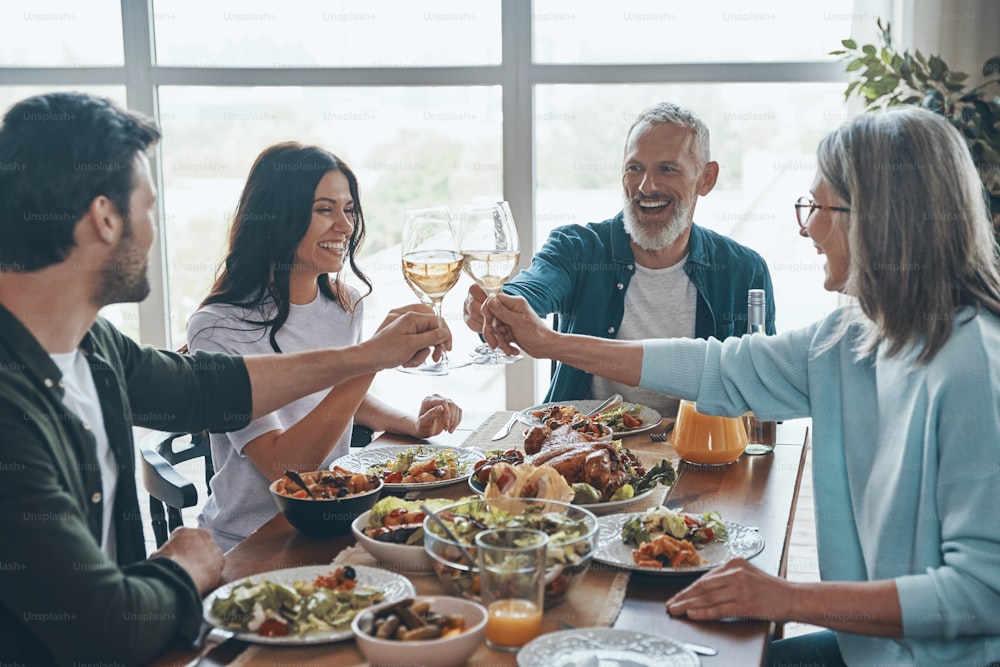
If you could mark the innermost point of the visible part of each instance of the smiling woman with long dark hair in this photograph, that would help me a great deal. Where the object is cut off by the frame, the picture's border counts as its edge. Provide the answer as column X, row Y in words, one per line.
column 281, row 288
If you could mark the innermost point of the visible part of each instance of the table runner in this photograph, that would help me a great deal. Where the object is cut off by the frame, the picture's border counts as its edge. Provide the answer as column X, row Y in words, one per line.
column 594, row 600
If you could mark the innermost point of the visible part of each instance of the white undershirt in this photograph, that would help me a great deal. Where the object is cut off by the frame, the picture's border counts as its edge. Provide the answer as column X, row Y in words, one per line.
column 659, row 303
column 81, row 398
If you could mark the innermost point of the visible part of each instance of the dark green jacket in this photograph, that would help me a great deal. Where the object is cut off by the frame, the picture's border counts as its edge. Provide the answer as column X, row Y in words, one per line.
column 61, row 600
column 582, row 272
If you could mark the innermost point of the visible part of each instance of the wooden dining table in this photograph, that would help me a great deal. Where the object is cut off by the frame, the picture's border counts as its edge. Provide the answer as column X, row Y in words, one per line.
column 757, row 491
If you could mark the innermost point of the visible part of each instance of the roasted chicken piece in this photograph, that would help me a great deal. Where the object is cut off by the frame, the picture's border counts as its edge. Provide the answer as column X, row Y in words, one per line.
column 577, row 457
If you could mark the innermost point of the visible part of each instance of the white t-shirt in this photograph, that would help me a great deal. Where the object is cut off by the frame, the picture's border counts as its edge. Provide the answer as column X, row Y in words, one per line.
column 240, row 502
column 659, row 303
column 81, row 399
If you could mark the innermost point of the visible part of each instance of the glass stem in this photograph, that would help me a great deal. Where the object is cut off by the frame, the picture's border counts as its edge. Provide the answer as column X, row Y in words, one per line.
column 436, row 305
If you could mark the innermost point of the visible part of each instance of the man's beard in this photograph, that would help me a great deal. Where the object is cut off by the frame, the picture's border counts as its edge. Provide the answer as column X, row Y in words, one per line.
column 652, row 238
column 124, row 277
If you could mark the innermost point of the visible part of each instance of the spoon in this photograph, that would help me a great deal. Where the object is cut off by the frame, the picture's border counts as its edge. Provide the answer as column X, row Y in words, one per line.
column 451, row 536
column 612, row 402
column 295, row 477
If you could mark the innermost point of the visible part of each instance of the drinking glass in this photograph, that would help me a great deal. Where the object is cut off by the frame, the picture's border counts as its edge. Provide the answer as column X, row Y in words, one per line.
column 432, row 265
column 512, row 584
column 490, row 251
column 707, row 440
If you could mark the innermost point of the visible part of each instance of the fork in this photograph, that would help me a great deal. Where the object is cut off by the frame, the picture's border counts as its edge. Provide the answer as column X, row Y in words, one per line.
column 663, row 436
column 211, row 640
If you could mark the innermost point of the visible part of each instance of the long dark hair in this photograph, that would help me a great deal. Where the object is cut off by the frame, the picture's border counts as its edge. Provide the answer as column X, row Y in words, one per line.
column 273, row 215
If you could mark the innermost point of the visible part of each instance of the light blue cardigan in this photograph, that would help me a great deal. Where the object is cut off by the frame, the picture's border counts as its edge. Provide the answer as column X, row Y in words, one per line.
column 906, row 463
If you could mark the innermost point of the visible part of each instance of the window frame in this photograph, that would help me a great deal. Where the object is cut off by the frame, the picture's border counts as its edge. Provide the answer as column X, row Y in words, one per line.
column 517, row 75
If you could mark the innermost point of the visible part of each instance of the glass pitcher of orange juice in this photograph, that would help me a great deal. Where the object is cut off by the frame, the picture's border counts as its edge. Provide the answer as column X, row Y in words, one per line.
column 703, row 439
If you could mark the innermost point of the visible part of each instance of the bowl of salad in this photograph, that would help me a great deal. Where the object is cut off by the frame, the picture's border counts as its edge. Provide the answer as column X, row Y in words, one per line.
column 572, row 535
column 393, row 532
column 325, row 502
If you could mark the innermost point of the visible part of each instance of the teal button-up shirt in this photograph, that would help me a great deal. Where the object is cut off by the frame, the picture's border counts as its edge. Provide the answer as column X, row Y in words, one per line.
column 61, row 599
column 582, row 272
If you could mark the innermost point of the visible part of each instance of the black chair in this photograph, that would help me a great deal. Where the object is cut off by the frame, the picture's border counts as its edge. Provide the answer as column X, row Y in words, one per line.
column 169, row 491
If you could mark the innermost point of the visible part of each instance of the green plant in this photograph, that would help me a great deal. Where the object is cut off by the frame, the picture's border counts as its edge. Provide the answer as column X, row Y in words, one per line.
column 887, row 77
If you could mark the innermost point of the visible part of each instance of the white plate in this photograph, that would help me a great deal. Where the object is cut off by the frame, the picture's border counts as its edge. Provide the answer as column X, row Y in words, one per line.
column 398, row 557
column 650, row 417
column 604, row 647
column 393, row 586
column 596, row 508
column 742, row 542
column 370, row 457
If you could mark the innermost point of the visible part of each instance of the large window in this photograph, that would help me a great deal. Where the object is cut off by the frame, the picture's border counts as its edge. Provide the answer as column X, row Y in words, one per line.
column 440, row 101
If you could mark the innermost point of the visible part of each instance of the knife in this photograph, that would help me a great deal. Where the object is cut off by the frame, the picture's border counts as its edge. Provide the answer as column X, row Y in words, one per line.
column 505, row 429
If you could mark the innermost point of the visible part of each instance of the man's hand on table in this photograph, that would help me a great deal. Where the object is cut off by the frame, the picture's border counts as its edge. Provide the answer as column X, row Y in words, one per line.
column 195, row 551
column 737, row 590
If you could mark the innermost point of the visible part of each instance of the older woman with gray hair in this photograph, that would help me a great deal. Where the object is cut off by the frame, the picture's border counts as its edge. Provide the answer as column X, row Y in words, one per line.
column 903, row 387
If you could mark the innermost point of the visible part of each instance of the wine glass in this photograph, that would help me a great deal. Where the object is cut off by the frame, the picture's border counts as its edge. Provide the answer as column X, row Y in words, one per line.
column 490, row 251
column 432, row 265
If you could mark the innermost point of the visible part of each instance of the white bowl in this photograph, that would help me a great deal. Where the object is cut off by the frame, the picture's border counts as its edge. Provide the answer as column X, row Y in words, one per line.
column 391, row 556
column 449, row 652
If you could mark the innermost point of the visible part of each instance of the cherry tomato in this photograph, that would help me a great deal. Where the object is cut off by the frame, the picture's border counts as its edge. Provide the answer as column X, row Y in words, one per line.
column 272, row 628
column 483, row 474
column 630, row 421
column 394, row 478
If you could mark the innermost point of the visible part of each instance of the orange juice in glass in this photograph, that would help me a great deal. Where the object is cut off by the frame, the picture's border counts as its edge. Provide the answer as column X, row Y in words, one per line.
column 512, row 584
column 707, row 440
column 513, row 622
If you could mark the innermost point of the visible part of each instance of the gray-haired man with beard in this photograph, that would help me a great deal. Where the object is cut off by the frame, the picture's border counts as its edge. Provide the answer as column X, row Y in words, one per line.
column 649, row 272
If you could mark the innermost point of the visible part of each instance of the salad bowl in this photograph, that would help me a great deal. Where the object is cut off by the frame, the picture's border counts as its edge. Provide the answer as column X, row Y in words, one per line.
column 572, row 532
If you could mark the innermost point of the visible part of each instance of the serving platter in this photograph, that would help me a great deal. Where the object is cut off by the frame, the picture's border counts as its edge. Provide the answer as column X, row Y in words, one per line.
column 596, row 508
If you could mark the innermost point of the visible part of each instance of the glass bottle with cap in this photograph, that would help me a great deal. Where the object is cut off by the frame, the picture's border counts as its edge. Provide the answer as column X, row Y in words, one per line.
column 761, row 435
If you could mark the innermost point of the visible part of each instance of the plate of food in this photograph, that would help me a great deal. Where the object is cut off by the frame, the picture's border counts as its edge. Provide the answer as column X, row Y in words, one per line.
column 604, row 647
column 314, row 604
column 626, row 419
column 557, row 471
column 414, row 468
column 665, row 541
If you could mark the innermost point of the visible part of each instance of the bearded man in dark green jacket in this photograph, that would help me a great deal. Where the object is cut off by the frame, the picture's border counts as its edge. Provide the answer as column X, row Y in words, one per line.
column 76, row 223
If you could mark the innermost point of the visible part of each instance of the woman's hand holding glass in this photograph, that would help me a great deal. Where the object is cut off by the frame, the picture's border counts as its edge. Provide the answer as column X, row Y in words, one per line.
column 432, row 265
column 490, row 252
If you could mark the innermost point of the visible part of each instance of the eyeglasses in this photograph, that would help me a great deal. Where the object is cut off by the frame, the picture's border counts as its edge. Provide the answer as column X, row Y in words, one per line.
column 804, row 207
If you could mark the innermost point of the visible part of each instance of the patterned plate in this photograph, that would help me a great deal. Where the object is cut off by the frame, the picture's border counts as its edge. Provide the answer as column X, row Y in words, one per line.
column 596, row 508
column 379, row 457
column 393, row 586
column 650, row 418
column 743, row 542
column 604, row 647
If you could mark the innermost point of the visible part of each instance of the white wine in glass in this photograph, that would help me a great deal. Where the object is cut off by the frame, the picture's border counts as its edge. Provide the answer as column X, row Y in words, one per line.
column 490, row 252
column 432, row 265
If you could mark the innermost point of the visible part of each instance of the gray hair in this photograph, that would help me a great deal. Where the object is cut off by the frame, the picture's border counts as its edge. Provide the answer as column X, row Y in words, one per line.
column 919, row 231
column 668, row 113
